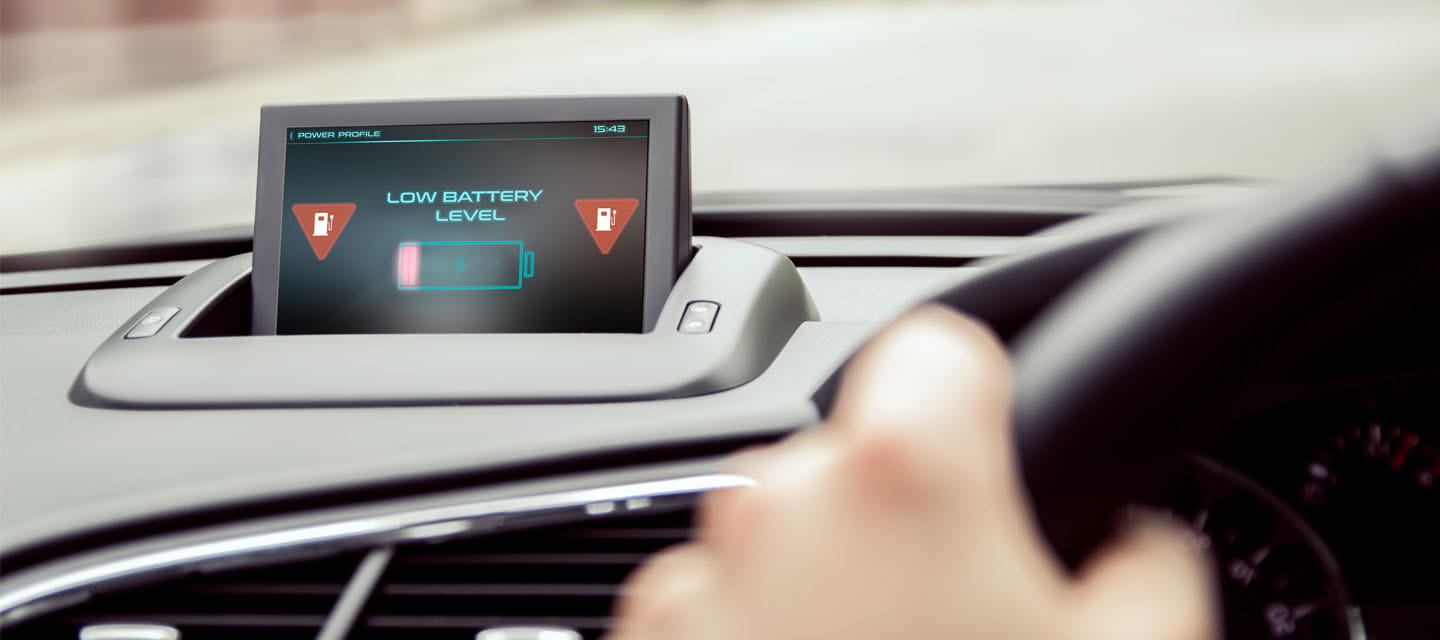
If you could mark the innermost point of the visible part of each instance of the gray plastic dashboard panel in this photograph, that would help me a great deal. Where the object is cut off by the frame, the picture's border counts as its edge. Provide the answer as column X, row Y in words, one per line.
column 760, row 296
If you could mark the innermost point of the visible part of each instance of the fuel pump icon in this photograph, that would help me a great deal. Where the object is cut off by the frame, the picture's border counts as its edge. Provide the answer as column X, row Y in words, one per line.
column 324, row 222
column 605, row 218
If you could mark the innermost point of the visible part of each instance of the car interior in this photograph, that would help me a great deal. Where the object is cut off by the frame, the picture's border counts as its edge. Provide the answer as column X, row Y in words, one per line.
column 518, row 345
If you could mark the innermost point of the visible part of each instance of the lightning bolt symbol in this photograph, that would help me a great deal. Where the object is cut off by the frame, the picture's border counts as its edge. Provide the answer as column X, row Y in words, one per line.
column 459, row 265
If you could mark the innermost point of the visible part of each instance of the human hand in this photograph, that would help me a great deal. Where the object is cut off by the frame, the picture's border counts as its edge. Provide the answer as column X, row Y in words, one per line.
column 903, row 516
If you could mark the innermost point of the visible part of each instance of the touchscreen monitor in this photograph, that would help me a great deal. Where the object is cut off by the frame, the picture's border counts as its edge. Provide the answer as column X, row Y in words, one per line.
column 496, row 218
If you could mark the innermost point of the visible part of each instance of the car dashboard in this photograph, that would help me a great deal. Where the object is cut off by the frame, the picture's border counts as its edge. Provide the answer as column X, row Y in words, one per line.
column 441, row 520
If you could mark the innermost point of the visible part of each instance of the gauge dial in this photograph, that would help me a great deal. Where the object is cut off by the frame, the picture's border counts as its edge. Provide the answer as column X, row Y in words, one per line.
column 1369, row 486
column 1359, row 460
column 1376, row 460
column 1278, row 580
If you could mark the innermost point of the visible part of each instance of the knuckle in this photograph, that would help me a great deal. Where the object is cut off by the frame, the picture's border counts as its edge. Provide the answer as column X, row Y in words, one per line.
column 725, row 512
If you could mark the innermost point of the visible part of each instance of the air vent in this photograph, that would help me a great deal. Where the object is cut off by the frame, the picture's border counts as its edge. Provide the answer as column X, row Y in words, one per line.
column 275, row 603
column 565, row 576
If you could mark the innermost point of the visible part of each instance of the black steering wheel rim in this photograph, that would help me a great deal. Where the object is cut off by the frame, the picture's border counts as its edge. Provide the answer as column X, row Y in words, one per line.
column 1134, row 339
column 1146, row 355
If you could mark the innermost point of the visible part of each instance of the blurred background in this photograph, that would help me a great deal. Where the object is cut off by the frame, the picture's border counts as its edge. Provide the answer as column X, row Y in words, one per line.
column 127, row 119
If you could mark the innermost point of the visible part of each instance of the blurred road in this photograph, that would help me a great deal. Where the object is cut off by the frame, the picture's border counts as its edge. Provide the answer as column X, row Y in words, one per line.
column 792, row 95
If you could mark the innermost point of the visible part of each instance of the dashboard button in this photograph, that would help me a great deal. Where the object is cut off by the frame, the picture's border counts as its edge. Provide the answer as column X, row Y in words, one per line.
column 699, row 316
column 151, row 322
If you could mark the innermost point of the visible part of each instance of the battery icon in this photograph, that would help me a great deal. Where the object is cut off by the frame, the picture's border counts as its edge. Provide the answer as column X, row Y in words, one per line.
column 449, row 266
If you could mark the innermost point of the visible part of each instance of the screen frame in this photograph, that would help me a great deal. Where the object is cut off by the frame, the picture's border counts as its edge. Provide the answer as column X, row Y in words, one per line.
column 667, row 184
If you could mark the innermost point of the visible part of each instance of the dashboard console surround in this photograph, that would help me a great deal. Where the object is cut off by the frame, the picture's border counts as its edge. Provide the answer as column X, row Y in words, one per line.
column 756, row 296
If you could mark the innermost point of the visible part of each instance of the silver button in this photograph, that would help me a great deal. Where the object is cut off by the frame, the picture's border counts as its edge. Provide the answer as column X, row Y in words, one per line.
column 150, row 323
column 699, row 317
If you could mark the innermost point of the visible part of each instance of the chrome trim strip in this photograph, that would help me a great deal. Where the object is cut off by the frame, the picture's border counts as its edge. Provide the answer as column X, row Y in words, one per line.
column 129, row 632
column 380, row 529
column 528, row 633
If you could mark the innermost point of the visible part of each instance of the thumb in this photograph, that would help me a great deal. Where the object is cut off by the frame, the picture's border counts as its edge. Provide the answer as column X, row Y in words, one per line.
column 1153, row 583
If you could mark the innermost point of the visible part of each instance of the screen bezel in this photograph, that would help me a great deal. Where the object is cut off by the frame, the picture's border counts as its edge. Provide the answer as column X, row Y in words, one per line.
column 667, row 213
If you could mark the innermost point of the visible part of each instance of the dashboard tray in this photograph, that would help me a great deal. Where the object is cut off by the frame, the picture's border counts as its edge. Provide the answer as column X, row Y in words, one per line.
column 758, row 301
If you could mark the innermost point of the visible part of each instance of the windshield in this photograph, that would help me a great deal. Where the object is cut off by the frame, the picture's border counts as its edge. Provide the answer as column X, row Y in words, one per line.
column 128, row 119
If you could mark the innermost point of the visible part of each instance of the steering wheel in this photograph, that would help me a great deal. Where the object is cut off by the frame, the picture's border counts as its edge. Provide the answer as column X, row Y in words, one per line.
column 1139, row 340
column 1143, row 357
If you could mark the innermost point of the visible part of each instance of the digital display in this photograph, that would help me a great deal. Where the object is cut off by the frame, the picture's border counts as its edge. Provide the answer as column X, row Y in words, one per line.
column 464, row 228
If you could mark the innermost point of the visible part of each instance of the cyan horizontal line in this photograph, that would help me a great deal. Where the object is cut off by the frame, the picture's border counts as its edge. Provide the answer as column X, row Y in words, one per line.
column 457, row 288
column 466, row 140
column 519, row 242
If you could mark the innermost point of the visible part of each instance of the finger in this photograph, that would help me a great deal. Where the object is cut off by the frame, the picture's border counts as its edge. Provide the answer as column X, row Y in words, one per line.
column 1154, row 583
column 928, row 400
column 924, row 352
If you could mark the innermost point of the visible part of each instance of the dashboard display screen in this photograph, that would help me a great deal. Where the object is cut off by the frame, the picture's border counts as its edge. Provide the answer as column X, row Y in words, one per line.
column 461, row 228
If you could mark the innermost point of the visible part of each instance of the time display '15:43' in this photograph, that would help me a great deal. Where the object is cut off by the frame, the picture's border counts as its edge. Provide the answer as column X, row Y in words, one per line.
column 609, row 128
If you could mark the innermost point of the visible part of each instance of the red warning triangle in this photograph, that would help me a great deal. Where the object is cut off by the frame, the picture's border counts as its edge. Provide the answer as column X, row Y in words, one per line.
column 605, row 219
column 322, row 224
